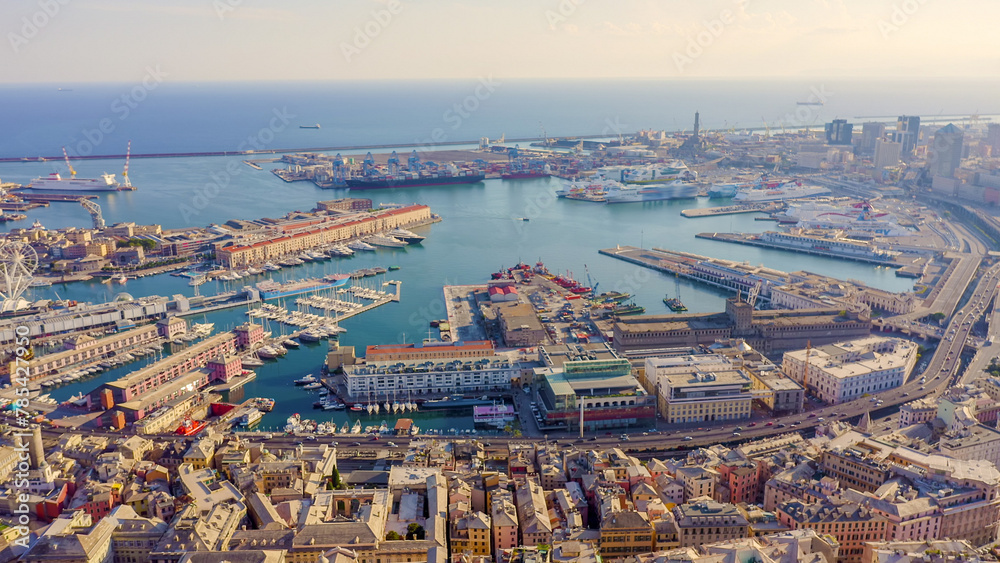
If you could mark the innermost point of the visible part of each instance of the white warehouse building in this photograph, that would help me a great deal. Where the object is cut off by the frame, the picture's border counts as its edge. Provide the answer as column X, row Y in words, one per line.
column 844, row 371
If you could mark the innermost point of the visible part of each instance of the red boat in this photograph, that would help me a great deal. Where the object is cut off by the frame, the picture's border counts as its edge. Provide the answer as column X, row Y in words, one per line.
column 191, row 427
column 580, row 289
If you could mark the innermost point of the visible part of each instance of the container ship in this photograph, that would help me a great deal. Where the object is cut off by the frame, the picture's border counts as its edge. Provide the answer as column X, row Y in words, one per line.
column 380, row 182
column 273, row 290
column 524, row 175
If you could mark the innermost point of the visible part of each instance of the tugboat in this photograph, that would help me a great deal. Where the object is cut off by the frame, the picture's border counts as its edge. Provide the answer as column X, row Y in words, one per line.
column 674, row 304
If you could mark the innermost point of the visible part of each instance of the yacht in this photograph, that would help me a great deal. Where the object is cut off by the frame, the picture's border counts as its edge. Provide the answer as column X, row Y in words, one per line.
column 270, row 267
column 385, row 240
column 359, row 245
column 406, row 236
column 254, row 271
column 307, row 380
column 289, row 343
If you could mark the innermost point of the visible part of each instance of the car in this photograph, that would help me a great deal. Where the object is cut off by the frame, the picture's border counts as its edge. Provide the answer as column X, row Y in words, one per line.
column 645, row 433
column 355, row 444
column 887, row 419
column 578, row 440
column 593, row 438
column 738, row 428
column 391, row 444
column 921, row 387
column 771, row 423
column 820, row 419
column 812, row 415
column 782, row 425
column 688, row 438
column 310, row 438
column 907, row 394
column 737, row 434
column 794, row 424
column 752, row 424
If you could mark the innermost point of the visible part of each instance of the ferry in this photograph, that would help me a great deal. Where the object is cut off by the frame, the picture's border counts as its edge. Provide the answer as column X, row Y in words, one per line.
column 456, row 402
column 678, row 189
column 852, row 217
column 655, row 174
column 55, row 182
column 792, row 189
column 591, row 189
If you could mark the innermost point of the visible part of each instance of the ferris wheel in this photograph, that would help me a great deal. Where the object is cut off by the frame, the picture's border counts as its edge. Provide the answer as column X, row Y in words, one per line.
column 18, row 263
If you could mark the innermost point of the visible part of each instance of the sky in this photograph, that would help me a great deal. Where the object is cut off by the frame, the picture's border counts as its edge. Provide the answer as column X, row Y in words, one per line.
column 68, row 41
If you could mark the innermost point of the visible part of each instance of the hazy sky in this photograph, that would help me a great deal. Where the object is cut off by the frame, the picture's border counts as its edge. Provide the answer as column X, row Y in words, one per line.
column 106, row 40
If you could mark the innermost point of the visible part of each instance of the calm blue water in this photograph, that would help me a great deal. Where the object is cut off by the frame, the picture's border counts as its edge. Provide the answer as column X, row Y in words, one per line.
column 478, row 234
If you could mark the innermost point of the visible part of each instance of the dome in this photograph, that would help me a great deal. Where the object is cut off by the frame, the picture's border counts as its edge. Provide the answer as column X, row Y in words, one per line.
column 123, row 296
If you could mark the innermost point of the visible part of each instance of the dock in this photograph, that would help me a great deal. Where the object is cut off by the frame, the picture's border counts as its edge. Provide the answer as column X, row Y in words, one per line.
column 716, row 272
column 732, row 209
column 47, row 198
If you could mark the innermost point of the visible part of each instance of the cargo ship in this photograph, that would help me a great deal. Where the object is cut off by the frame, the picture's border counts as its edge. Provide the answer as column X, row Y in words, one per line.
column 674, row 304
column 524, row 175
column 381, row 182
column 270, row 289
column 309, row 126
column 455, row 402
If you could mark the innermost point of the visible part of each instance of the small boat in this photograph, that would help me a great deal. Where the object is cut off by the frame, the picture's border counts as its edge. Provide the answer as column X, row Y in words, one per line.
column 357, row 407
column 356, row 429
column 270, row 267
column 122, row 279
column 345, row 429
column 289, row 343
column 309, row 126
column 253, row 362
column 360, row 245
column 393, row 268
column 307, row 380
column 310, row 386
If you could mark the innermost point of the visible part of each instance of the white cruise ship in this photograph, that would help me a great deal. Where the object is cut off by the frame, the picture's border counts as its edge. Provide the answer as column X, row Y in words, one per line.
column 792, row 189
column 385, row 240
column 659, row 173
column 677, row 189
column 591, row 189
column 853, row 217
column 55, row 182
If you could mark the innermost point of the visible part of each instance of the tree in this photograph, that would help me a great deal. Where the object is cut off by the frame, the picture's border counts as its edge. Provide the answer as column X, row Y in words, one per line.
column 393, row 536
column 334, row 481
column 414, row 532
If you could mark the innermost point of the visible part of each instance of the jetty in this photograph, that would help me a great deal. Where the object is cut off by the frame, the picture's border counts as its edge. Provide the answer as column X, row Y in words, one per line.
column 770, row 207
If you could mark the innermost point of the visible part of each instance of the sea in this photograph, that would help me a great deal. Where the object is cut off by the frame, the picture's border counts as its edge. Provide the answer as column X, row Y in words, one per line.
column 482, row 227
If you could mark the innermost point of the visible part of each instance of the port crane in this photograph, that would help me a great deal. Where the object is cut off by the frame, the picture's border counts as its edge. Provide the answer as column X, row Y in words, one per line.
column 413, row 163
column 767, row 129
column 514, row 162
column 126, row 183
column 590, row 283
column 393, row 164
column 72, row 172
column 368, row 165
column 95, row 213
column 339, row 172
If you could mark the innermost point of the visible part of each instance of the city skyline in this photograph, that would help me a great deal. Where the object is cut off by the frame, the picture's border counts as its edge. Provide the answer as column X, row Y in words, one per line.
column 228, row 40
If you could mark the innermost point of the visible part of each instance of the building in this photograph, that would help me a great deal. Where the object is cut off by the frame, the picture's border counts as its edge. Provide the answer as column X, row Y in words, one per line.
column 837, row 373
column 248, row 335
column 839, row 132
column 470, row 535
column 88, row 350
column 907, row 133
column 592, row 379
column 887, row 154
column 852, row 525
column 700, row 388
column 705, row 521
column 292, row 239
column 345, row 204
column 158, row 374
column 766, row 331
column 519, row 325
column 624, row 534
column 404, row 370
column 945, row 151
column 871, row 132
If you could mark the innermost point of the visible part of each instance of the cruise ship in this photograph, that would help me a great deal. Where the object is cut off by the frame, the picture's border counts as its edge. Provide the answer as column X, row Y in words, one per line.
column 767, row 191
column 856, row 219
column 385, row 240
column 55, row 182
column 659, row 173
column 677, row 189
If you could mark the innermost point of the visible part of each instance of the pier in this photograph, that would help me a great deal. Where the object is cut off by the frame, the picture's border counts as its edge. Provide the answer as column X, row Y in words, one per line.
column 733, row 209
column 742, row 276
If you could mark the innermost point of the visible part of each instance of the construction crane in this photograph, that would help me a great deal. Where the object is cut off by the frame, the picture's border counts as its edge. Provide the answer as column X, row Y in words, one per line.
column 754, row 292
column 72, row 172
column 590, row 283
column 413, row 163
column 95, row 213
column 126, row 183
column 767, row 130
